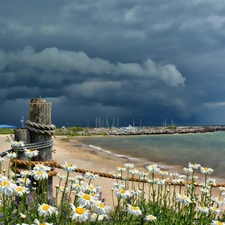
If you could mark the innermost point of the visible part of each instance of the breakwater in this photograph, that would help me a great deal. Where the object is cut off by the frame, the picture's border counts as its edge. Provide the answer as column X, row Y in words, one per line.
column 151, row 130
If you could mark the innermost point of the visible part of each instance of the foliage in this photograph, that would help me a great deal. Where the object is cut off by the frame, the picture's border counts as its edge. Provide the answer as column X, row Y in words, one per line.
column 157, row 198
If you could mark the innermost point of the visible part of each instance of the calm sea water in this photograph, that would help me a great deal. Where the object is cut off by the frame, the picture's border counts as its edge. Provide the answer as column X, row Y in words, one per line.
column 207, row 149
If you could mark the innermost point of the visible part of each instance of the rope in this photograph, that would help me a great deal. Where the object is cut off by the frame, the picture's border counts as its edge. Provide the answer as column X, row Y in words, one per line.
column 54, row 164
column 34, row 146
column 40, row 128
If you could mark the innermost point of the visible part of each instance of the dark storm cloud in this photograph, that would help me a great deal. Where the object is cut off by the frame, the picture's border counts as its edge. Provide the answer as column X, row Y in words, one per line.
column 150, row 59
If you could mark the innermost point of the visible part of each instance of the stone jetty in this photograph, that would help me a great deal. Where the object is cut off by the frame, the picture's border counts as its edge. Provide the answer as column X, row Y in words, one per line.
column 151, row 130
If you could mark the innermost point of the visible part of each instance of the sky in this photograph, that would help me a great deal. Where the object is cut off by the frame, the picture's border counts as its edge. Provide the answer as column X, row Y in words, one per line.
column 138, row 62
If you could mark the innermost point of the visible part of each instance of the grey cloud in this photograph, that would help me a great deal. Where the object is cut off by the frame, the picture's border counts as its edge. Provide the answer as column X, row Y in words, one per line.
column 67, row 61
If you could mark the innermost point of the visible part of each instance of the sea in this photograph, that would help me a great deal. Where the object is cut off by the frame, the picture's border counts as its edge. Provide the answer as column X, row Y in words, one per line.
column 206, row 149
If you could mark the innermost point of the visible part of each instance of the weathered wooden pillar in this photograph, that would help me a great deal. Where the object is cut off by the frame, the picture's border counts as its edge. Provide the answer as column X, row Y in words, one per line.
column 38, row 134
column 40, row 113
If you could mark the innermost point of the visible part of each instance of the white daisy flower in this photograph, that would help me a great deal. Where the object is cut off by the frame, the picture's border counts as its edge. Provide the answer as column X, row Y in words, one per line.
column 30, row 153
column 40, row 175
column 150, row 218
column 11, row 155
column 91, row 176
column 215, row 210
column 85, row 199
column 153, row 168
column 163, row 172
column 136, row 192
column 194, row 166
column 7, row 187
column 25, row 173
column 218, row 201
column 37, row 222
column 123, row 193
column 133, row 210
column 62, row 189
column 79, row 214
column 69, row 167
column 41, row 167
column 1, row 160
column 95, row 216
column 61, row 177
column 206, row 170
column 183, row 199
column 188, row 170
column 216, row 222
column 129, row 165
column 133, row 171
column 100, row 208
column 20, row 190
column 17, row 144
column 203, row 209
column 24, row 181
column 121, row 169
column 46, row 210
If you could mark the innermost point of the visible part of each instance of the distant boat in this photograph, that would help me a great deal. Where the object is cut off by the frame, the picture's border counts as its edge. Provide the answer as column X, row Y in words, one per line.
column 7, row 126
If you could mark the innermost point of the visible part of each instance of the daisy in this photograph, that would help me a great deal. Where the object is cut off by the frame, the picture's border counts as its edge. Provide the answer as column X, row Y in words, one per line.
column 163, row 172
column 95, row 216
column 40, row 175
column 206, row 170
column 183, row 199
column 1, row 160
column 21, row 190
column 46, row 210
column 11, row 155
column 85, row 199
column 79, row 214
column 134, row 171
column 216, row 222
column 17, row 144
column 24, row 181
column 203, row 209
column 133, row 210
column 150, row 218
column 7, row 187
column 129, row 165
column 25, row 173
column 37, row 222
column 218, row 201
column 41, row 167
column 69, row 167
column 100, row 208
column 153, row 168
column 61, row 177
column 121, row 169
column 194, row 166
column 187, row 170
column 91, row 176
column 30, row 153
column 215, row 209
column 123, row 193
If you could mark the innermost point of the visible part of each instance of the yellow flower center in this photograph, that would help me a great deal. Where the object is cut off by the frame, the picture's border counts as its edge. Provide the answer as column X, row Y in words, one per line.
column 206, row 168
column 80, row 211
column 101, row 205
column 42, row 223
column 219, row 223
column 69, row 165
column 45, row 207
column 123, row 191
column 134, row 208
column 39, row 172
column 31, row 150
column 6, row 183
column 19, row 189
column 86, row 197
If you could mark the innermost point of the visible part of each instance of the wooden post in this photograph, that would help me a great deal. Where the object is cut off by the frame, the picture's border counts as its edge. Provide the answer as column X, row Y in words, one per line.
column 40, row 113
